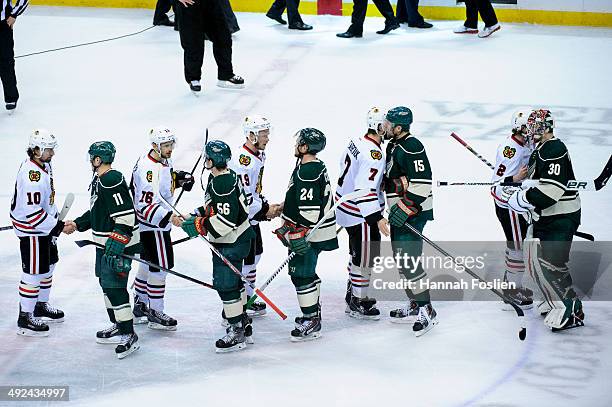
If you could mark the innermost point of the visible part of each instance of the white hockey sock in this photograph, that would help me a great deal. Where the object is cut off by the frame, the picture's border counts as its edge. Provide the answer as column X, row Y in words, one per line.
column 156, row 289
column 140, row 284
column 515, row 267
column 29, row 289
column 249, row 271
column 45, row 285
column 360, row 281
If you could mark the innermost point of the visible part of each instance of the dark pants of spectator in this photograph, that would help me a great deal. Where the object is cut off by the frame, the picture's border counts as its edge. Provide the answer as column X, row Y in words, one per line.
column 293, row 15
column 205, row 17
column 484, row 7
column 7, row 63
column 230, row 17
column 408, row 12
column 359, row 12
column 161, row 8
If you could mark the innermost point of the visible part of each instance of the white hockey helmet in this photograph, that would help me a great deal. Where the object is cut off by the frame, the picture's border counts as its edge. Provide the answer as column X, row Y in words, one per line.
column 376, row 117
column 254, row 124
column 43, row 139
column 160, row 134
column 519, row 121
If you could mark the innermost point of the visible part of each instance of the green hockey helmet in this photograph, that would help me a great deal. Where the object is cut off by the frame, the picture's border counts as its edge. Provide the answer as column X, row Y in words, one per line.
column 103, row 149
column 400, row 116
column 218, row 152
column 311, row 137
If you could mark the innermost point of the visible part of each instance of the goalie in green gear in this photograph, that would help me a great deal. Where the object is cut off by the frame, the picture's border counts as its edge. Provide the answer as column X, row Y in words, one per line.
column 113, row 223
column 224, row 219
column 307, row 199
column 554, row 212
column 409, row 199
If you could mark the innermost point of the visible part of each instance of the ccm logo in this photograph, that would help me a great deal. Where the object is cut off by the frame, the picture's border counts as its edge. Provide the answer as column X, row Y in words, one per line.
column 576, row 185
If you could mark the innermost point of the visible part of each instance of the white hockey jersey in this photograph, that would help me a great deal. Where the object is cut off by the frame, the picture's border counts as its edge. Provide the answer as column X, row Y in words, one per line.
column 362, row 167
column 33, row 210
column 249, row 166
column 512, row 154
column 150, row 180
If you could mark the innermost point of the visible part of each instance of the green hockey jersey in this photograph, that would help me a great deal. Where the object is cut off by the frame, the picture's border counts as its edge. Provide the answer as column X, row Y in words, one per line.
column 110, row 210
column 307, row 199
column 407, row 157
column 551, row 165
column 230, row 223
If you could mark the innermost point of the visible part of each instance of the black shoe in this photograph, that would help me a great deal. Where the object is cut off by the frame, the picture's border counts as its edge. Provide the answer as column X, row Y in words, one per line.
column 11, row 106
column 235, row 82
column 47, row 313
column 349, row 34
column 424, row 24
column 128, row 344
column 164, row 22
column 388, row 28
column 28, row 325
column 278, row 19
column 109, row 335
column 195, row 86
column 300, row 26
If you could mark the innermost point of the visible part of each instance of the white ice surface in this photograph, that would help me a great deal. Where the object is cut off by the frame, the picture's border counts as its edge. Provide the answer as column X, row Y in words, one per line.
column 118, row 90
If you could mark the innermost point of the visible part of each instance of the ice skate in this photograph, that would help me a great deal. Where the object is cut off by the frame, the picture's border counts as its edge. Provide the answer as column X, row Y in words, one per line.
column 306, row 329
column 522, row 296
column 140, row 311
column 28, row 325
column 233, row 340
column 47, row 313
column 127, row 345
column 160, row 321
column 405, row 315
column 425, row 320
column 109, row 335
column 363, row 309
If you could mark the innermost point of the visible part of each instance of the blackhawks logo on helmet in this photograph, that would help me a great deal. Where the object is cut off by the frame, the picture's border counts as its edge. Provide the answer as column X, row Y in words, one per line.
column 149, row 176
column 376, row 155
column 34, row 175
column 244, row 159
column 509, row 152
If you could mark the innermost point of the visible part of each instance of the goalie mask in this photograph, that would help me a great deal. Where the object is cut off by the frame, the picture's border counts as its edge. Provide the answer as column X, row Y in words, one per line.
column 540, row 122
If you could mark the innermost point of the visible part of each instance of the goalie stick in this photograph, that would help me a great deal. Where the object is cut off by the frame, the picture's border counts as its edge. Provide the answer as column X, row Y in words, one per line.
column 231, row 266
column 519, row 312
column 315, row 227
column 83, row 243
column 594, row 185
column 68, row 201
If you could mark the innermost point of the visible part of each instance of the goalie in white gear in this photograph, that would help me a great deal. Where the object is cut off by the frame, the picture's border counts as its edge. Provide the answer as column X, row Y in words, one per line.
column 248, row 163
column 36, row 224
column 362, row 167
column 511, row 166
column 153, row 177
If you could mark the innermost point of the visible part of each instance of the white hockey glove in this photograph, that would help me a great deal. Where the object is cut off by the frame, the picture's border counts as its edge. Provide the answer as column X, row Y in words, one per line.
column 518, row 203
column 504, row 193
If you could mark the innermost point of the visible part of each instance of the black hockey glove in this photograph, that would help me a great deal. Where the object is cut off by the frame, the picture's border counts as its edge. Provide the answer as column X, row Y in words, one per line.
column 261, row 215
column 183, row 179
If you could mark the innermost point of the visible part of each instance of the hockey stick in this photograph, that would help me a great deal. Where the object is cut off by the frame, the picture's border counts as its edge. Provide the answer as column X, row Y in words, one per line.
column 573, row 185
column 178, row 198
column 519, row 312
column 471, row 150
column 308, row 237
column 63, row 212
column 231, row 266
column 83, row 243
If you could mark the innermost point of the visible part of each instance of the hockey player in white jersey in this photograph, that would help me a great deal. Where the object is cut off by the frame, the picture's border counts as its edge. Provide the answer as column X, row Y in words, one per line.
column 36, row 224
column 153, row 177
column 362, row 167
column 248, row 163
column 511, row 166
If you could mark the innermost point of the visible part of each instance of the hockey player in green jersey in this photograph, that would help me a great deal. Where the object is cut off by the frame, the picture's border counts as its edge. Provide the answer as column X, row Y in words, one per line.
column 224, row 218
column 307, row 199
column 555, row 215
column 409, row 200
column 113, row 223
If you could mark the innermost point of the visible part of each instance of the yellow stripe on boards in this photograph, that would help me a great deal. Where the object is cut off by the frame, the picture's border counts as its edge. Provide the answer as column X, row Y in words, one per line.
column 548, row 17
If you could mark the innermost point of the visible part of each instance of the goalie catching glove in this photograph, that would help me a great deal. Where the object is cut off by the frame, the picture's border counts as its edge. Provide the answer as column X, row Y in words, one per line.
column 402, row 211
column 293, row 237
column 183, row 179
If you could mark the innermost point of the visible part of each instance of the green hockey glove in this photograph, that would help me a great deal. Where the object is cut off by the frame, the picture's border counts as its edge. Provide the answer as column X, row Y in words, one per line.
column 402, row 211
